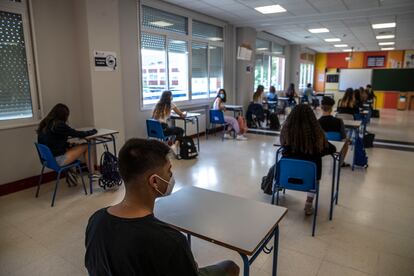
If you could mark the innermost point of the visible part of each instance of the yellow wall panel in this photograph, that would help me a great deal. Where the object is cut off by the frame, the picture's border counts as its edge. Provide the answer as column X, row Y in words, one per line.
column 380, row 99
column 395, row 59
column 320, row 76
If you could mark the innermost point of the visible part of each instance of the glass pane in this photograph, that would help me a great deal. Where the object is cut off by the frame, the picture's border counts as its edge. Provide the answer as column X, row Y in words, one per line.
column 157, row 19
column 266, row 75
column 216, row 69
column 154, row 76
column 207, row 31
column 262, row 45
column 178, row 69
column 199, row 81
column 277, row 48
column 15, row 98
column 278, row 73
column 258, row 71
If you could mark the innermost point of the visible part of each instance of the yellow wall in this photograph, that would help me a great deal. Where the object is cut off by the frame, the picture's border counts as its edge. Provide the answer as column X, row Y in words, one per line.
column 320, row 65
column 395, row 59
column 357, row 60
column 380, row 99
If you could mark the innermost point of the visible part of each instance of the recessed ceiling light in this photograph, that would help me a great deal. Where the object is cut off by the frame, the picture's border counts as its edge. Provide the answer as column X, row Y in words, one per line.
column 347, row 50
column 386, row 43
column 262, row 49
column 385, row 36
column 332, row 39
column 319, row 30
column 215, row 38
column 387, row 49
column 384, row 25
column 161, row 23
column 341, row 45
column 270, row 9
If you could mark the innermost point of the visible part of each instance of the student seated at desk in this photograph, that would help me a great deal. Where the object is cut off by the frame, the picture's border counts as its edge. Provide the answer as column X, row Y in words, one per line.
column 54, row 133
column 303, row 138
column 331, row 124
column 162, row 112
column 256, row 107
column 234, row 123
column 272, row 96
column 347, row 104
column 127, row 238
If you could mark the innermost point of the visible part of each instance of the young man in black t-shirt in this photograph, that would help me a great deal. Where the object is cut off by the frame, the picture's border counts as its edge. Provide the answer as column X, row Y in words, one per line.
column 127, row 239
column 331, row 124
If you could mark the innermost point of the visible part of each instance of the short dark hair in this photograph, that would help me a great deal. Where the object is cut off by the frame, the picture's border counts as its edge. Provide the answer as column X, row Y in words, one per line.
column 140, row 156
column 327, row 103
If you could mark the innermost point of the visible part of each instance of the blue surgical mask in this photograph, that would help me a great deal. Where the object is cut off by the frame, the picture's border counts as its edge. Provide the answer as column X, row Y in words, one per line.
column 221, row 96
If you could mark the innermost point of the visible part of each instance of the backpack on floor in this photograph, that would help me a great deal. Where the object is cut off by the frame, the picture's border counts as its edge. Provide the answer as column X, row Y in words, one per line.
column 110, row 176
column 360, row 157
column 368, row 139
column 267, row 181
column 375, row 113
column 274, row 123
column 188, row 149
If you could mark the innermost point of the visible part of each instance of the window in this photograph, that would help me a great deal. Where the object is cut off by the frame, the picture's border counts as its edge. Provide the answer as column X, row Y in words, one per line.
column 270, row 65
column 305, row 75
column 199, row 72
column 170, row 55
column 17, row 93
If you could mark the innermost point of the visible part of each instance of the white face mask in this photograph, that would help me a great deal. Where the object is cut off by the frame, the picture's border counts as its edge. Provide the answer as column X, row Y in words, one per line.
column 170, row 186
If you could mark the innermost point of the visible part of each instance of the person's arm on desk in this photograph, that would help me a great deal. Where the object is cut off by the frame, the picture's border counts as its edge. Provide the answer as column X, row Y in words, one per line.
column 178, row 111
column 64, row 129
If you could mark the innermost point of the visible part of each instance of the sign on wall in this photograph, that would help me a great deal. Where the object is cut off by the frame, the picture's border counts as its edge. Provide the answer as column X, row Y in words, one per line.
column 105, row 61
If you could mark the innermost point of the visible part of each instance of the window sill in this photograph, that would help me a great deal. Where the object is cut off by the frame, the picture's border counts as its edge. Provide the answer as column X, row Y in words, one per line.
column 183, row 104
column 17, row 125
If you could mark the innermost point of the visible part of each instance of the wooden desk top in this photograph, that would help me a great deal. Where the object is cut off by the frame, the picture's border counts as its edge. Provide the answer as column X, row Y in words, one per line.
column 233, row 222
column 352, row 123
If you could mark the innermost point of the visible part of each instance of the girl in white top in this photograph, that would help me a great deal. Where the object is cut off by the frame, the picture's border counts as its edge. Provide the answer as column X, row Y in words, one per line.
column 162, row 112
column 219, row 105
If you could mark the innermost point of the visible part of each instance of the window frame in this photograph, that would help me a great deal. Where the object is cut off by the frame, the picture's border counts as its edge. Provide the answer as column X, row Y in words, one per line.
column 22, row 8
column 176, row 36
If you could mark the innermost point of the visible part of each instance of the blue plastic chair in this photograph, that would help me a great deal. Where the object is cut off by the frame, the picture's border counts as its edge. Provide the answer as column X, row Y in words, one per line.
column 217, row 118
column 298, row 175
column 48, row 161
column 333, row 136
column 154, row 130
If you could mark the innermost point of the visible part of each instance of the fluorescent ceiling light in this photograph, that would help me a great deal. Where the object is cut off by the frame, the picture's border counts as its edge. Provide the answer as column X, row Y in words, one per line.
column 262, row 49
column 385, row 36
column 161, row 23
column 177, row 41
column 341, row 45
column 215, row 38
column 387, row 49
column 332, row 39
column 270, row 9
column 384, row 25
column 347, row 50
column 386, row 43
column 319, row 30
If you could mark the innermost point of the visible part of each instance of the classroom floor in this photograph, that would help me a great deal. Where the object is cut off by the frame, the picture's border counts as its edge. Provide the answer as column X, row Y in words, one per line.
column 372, row 232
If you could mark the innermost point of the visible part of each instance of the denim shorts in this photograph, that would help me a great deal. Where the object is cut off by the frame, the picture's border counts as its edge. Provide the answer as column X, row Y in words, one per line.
column 60, row 159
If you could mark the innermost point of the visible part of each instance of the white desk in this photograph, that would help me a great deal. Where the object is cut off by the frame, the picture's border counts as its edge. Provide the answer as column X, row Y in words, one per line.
column 337, row 158
column 189, row 117
column 237, row 109
column 239, row 224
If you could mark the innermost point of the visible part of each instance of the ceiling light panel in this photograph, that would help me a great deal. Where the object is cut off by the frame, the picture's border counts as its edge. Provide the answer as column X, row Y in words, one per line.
column 384, row 25
column 319, row 30
column 385, row 36
column 387, row 49
column 270, row 9
column 332, row 39
column 386, row 43
column 341, row 45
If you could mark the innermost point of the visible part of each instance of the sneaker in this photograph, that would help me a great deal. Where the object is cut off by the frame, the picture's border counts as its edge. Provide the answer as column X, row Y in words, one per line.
column 308, row 208
column 227, row 136
column 241, row 137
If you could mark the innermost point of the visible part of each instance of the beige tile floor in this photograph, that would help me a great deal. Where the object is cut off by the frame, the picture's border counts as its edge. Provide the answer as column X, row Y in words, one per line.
column 372, row 232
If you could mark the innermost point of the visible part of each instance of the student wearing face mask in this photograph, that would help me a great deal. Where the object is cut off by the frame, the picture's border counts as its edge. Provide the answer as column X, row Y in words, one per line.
column 127, row 239
column 219, row 104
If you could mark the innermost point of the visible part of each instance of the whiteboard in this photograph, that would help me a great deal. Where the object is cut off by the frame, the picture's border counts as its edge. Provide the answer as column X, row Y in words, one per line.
column 354, row 78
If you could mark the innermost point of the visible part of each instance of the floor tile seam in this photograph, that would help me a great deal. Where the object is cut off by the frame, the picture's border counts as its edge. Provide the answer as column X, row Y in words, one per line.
column 351, row 267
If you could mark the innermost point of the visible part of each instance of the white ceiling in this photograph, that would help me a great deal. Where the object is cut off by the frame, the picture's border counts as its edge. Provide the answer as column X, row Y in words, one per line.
column 349, row 20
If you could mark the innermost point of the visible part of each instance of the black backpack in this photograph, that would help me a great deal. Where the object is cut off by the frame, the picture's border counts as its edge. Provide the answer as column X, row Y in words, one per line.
column 110, row 176
column 188, row 149
column 274, row 123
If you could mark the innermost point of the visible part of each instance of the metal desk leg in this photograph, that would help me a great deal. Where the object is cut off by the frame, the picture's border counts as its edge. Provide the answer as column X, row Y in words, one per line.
column 114, row 144
column 275, row 250
column 198, row 134
column 354, row 145
column 189, row 240
column 185, row 127
column 337, row 179
column 333, row 187
column 89, row 168
column 246, row 265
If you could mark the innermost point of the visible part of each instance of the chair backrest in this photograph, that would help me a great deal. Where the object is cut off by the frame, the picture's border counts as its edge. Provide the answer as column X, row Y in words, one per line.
column 154, row 129
column 216, row 116
column 333, row 136
column 344, row 116
column 295, row 174
column 46, row 157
